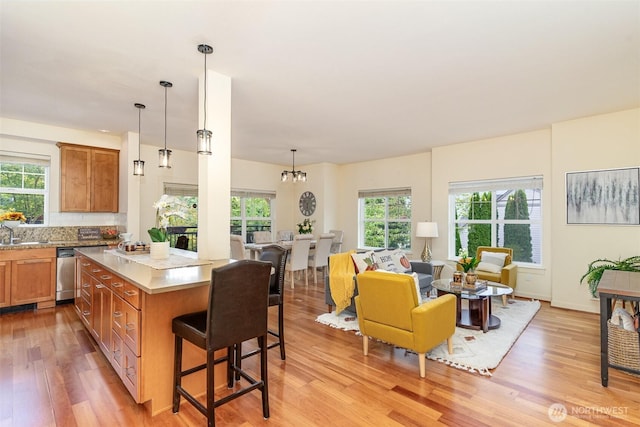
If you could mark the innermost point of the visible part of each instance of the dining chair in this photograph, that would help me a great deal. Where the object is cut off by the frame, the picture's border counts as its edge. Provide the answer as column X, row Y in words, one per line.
column 336, row 245
column 284, row 235
column 238, row 251
column 262, row 237
column 237, row 312
column 320, row 257
column 299, row 258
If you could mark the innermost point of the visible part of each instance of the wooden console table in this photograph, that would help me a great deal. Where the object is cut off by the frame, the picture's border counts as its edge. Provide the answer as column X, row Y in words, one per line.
column 614, row 285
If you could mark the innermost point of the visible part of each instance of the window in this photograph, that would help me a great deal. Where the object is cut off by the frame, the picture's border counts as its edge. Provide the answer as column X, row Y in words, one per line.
column 183, row 232
column 250, row 212
column 24, row 183
column 500, row 213
column 385, row 218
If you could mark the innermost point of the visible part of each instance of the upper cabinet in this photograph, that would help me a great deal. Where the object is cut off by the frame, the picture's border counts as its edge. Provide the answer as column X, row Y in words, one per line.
column 88, row 178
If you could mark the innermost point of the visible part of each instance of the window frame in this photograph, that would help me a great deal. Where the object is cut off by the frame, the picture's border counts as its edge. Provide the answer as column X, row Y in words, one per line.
column 243, row 195
column 506, row 186
column 30, row 160
column 386, row 194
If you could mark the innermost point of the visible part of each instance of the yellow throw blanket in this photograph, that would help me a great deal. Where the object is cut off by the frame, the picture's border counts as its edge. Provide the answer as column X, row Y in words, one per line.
column 341, row 281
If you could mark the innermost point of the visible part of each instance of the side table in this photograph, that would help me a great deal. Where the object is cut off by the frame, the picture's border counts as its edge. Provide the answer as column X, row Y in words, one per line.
column 437, row 269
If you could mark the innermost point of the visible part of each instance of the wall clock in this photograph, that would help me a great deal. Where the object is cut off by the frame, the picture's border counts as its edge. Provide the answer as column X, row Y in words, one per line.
column 307, row 203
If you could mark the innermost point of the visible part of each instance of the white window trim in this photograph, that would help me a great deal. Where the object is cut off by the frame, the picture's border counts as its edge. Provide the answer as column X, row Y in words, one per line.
column 37, row 160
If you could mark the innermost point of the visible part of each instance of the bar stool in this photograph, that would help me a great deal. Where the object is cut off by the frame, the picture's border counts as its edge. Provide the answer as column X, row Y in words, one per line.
column 238, row 303
column 277, row 256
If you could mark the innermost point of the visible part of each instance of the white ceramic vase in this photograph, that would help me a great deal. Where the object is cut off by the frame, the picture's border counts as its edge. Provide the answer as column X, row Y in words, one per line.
column 159, row 250
column 11, row 224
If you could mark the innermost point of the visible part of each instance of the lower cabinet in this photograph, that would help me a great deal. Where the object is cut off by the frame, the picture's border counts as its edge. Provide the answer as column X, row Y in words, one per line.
column 28, row 276
column 104, row 303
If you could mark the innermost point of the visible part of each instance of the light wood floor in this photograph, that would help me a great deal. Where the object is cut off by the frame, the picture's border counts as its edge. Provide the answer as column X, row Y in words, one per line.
column 52, row 375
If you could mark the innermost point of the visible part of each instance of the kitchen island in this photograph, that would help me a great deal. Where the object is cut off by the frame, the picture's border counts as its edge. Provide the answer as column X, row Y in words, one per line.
column 128, row 306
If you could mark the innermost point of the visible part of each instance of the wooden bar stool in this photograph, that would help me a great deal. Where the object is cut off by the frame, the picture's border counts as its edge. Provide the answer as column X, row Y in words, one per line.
column 238, row 303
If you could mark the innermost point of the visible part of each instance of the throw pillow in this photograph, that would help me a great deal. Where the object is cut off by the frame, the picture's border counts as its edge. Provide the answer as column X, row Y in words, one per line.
column 401, row 261
column 487, row 266
column 364, row 261
column 385, row 260
column 496, row 258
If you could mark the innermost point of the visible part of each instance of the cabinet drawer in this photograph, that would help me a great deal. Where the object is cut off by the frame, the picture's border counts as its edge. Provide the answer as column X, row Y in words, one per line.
column 117, row 316
column 130, row 370
column 116, row 356
column 117, row 286
column 131, row 294
column 131, row 328
column 105, row 277
column 85, row 312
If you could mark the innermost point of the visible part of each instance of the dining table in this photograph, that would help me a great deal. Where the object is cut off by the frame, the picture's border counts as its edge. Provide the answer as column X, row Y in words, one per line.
column 256, row 248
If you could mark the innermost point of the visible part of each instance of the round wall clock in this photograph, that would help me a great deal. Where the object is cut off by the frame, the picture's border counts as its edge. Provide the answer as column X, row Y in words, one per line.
column 307, row 203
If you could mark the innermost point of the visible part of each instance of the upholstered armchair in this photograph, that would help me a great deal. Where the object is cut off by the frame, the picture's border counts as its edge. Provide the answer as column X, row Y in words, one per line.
column 497, row 266
column 389, row 309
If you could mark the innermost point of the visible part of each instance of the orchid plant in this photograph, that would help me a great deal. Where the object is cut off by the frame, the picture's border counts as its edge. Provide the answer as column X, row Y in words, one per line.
column 166, row 207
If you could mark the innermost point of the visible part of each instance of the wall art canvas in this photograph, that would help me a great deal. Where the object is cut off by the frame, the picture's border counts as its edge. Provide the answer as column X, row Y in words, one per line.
column 604, row 197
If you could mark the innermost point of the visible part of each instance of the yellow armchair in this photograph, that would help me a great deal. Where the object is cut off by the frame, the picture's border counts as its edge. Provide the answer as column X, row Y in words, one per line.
column 509, row 273
column 388, row 309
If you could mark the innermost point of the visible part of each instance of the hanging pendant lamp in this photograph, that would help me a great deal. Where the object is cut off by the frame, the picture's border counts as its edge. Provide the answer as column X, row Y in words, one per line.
column 138, row 165
column 295, row 175
column 204, row 135
column 164, row 155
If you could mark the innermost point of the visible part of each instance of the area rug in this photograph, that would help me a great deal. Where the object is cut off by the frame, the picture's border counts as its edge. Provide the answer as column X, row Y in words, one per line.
column 473, row 351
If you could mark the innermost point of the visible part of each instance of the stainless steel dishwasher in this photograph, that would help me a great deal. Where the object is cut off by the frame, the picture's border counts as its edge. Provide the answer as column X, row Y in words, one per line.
column 66, row 273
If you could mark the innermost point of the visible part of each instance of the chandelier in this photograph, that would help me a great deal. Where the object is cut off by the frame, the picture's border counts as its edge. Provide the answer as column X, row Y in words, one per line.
column 295, row 175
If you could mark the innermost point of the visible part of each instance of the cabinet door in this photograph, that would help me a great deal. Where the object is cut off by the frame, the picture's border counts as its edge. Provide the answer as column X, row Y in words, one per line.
column 104, row 183
column 33, row 280
column 102, row 316
column 5, row 283
column 75, row 179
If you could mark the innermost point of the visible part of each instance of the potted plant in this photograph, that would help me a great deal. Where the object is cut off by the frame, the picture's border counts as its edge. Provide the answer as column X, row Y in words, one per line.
column 166, row 207
column 468, row 265
column 598, row 267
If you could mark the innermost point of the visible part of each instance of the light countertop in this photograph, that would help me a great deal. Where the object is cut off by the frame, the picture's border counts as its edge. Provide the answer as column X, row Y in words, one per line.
column 152, row 280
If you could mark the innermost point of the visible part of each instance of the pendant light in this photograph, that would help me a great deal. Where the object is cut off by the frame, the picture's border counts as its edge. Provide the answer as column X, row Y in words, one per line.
column 295, row 175
column 204, row 135
column 164, row 155
column 138, row 165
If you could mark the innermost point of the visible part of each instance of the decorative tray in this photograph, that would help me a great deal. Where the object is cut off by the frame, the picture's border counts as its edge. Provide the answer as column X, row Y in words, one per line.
column 139, row 250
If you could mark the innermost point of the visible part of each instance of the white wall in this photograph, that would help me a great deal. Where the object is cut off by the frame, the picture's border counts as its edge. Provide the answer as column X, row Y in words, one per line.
column 524, row 154
column 34, row 138
column 605, row 141
column 398, row 172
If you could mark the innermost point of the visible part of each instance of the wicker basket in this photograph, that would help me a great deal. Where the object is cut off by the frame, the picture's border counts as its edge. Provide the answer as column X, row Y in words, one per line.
column 624, row 347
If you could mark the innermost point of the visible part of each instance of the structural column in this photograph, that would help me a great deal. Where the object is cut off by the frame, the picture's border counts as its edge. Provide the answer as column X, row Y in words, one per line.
column 214, row 171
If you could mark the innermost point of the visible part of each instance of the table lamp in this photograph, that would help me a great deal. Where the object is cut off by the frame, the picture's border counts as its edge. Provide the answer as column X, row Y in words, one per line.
column 426, row 230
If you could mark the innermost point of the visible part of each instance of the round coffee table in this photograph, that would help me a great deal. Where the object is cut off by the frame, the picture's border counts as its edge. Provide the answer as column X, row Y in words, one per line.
column 478, row 315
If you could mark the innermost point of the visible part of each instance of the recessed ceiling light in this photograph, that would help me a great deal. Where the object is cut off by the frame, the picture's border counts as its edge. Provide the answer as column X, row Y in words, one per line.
column 104, row 130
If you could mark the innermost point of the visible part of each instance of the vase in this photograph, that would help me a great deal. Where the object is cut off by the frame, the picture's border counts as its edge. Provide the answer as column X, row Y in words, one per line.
column 471, row 277
column 159, row 250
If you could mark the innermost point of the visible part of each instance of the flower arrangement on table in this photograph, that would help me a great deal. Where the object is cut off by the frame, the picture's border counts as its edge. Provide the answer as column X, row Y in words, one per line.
column 166, row 207
column 306, row 226
column 12, row 215
column 467, row 264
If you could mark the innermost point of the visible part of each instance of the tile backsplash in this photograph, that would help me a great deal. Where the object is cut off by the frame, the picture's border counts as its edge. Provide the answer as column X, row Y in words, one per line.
column 28, row 233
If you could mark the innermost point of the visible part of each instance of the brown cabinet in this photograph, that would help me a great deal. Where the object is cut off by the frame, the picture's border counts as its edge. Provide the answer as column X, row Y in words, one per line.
column 5, row 283
column 28, row 276
column 88, row 178
column 109, row 306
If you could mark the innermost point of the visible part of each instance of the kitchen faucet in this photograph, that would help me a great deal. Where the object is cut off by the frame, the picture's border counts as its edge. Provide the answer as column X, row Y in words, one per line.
column 12, row 239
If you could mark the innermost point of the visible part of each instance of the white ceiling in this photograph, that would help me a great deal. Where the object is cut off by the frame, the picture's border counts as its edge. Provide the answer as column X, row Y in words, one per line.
column 341, row 81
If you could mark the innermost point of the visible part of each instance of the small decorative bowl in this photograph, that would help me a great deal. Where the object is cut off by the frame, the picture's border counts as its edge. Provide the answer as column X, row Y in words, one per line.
column 109, row 236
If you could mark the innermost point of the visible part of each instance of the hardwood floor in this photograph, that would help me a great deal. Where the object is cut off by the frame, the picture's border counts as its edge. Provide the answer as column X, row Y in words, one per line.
column 51, row 374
